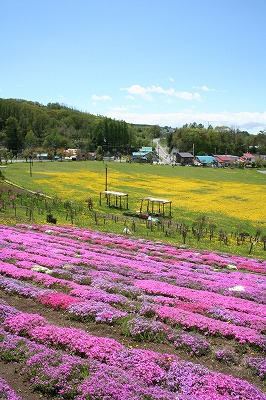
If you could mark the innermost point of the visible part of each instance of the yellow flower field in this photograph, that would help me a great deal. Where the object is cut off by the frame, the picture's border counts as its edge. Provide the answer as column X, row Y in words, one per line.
column 245, row 201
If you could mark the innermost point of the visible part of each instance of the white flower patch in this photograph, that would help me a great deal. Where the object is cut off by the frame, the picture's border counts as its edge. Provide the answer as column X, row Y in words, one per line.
column 237, row 288
column 39, row 268
column 67, row 266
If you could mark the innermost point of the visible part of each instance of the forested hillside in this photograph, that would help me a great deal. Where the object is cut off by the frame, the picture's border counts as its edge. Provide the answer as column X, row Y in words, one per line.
column 27, row 127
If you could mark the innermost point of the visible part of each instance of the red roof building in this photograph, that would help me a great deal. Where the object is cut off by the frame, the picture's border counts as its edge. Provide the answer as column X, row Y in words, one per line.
column 249, row 157
column 224, row 161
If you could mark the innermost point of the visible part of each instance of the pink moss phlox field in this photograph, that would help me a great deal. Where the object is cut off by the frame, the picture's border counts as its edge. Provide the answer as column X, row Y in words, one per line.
column 22, row 288
column 143, row 248
column 90, row 293
column 58, row 300
column 258, row 365
column 6, row 392
column 184, row 298
column 23, row 273
column 7, row 311
column 23, row 322
column 115, row 370
column 97, row 310
column 55, row 373
column 209, row 326
column 76, row 340
column 196, row 296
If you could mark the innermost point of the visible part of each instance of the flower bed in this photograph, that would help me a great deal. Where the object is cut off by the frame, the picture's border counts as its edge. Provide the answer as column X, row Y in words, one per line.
column 150, row 292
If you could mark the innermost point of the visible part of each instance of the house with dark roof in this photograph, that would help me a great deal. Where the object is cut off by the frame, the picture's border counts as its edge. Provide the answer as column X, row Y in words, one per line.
column 184, row 158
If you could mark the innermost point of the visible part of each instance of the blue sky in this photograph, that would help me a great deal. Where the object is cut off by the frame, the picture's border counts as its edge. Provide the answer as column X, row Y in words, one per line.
column 165, row 62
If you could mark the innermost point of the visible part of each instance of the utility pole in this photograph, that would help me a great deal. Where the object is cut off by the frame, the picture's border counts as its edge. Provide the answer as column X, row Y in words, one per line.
column 31, row 164
column 106, row 176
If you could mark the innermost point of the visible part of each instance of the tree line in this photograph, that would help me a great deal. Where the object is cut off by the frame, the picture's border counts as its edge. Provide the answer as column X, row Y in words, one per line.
column 197, row 139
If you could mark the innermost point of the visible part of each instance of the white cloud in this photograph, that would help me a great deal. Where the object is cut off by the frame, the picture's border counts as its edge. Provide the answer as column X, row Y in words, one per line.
column 145, row 92
column 137, row 90
column 204, row 88
column 130, row 97
column 252, row 122
column 188, row 96
column 101, row 98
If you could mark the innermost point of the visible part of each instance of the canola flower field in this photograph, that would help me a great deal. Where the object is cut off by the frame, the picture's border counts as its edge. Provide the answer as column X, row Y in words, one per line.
column 230, row 196
column 203, row 306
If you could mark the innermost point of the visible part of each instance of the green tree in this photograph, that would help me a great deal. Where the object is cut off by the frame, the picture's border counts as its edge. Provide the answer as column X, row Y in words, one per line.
column 99, row 153
column 54, row 140
column 13, row 140
column 31, row 139
column 27, row 153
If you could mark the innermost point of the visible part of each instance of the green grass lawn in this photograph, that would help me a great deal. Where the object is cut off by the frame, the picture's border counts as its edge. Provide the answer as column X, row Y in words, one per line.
column 19, row 172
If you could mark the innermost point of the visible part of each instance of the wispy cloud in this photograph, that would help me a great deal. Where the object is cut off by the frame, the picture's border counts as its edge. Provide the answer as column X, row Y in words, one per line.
column 204, row 88
column 188, row 96
column 95, row 97
column 146, row 92
column 124, row 108
column 253, row 122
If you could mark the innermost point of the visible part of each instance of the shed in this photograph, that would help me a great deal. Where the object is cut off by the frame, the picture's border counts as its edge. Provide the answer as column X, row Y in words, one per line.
column 184, row 158
column 115, row 199
column 155, row 206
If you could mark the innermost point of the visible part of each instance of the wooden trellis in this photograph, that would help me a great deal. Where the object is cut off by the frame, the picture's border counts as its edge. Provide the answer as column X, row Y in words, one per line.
column 115, row 199
column 153, row 206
